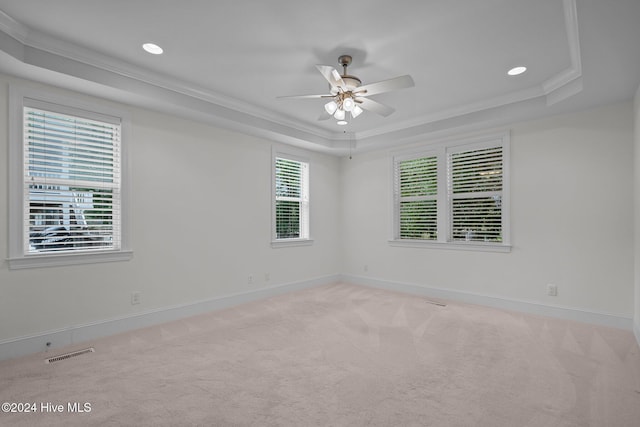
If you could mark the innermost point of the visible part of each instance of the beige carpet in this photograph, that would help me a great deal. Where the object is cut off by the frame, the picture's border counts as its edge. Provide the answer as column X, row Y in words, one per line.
column 340, row 355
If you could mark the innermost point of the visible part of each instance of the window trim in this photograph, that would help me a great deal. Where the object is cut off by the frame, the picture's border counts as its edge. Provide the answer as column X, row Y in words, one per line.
column 298, row 156
column 441, row 150
column 18, row 258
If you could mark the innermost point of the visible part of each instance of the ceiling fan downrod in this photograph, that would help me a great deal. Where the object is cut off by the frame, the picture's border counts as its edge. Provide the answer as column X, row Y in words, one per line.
column 345, row 61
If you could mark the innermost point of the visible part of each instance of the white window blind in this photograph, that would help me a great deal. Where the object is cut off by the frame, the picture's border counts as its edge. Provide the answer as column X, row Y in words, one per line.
column 71, row 183
column 475, row 182
column 453, row 194
column 291, row 199
column 417, row 182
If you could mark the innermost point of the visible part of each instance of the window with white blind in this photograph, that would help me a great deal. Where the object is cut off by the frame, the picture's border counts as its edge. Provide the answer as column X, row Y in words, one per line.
column 418, row 191
column 453, row 194
column 291, row 199
column 67, row 188
column 475, row 183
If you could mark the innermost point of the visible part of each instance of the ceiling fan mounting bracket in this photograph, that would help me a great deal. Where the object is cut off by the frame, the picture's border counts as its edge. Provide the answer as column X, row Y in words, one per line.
column 345, row 60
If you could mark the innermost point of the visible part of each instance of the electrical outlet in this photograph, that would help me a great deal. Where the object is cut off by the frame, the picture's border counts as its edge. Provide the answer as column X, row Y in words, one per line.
column 250, row 279
column 552, row 290
column 135, row 297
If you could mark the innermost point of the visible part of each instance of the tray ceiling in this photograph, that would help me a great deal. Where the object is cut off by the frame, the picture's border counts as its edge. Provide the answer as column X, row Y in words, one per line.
column 226, row 62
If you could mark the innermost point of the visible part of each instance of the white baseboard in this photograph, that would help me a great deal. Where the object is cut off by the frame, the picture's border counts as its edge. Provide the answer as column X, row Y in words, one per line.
column 501, row 303
column 25, row 345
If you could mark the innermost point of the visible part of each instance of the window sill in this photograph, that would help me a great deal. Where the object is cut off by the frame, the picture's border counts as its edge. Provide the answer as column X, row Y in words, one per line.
column 462, row 246
column 285, row 243
column 54, row 260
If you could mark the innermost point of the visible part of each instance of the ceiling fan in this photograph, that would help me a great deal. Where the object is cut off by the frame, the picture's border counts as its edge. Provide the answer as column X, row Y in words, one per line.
column 348, row 95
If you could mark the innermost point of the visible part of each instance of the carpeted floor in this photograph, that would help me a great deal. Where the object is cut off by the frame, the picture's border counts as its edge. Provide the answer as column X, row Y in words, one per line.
column 339, row 355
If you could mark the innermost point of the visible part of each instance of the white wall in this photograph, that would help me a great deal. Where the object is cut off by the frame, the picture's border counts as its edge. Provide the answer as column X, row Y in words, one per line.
column 636, row 197
column 202, row 244
column 571, row 192
column 571, row 209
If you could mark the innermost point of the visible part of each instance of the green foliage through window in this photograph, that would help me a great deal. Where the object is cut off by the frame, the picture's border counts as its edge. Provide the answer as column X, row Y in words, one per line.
column 418, row 181
column 452, row 193
column 291, row 199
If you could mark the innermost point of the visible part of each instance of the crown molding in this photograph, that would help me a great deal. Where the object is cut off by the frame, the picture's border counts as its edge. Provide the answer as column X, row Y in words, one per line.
column 564, row 84
column 31, row 47
column 13, row 28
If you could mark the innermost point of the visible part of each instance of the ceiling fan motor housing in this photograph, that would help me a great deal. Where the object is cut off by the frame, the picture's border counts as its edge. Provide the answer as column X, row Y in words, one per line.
column 351, row 82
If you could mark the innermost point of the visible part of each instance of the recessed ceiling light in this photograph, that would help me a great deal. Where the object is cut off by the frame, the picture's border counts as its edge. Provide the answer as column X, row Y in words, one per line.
column 342, row 122
column 516, row 71
column 152, row 48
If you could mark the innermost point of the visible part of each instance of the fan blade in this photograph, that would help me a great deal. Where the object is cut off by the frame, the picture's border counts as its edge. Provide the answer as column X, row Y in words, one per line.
column 306, row 96
column 385, row 86
column 374, row 106
column 332, row 75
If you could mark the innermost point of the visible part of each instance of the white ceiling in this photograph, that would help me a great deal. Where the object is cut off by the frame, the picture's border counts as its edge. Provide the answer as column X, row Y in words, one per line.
column 227, row 61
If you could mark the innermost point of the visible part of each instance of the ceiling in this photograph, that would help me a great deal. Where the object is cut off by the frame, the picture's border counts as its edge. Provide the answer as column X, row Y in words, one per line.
column 227, row 62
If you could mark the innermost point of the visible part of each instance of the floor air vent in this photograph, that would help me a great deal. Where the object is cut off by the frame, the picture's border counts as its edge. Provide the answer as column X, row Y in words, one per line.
column 439, row 304
column 70, row 355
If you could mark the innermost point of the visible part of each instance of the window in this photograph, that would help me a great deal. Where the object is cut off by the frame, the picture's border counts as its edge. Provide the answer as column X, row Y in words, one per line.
column 475, row 194
column 454, row 194
column 291, row 199
column 67, row 184
column 418, row 187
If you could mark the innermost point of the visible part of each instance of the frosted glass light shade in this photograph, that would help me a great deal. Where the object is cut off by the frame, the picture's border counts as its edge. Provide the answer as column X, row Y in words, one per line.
column 339, row 115
column 331, row 107
column 356, row 111
column 348, row 104
column 152, row 48
column 515, row 71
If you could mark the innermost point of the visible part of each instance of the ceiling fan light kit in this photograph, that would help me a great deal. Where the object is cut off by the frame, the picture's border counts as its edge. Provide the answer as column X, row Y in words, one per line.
column 348, row 95
column 331, row 107
column 348, row 103
column 516, row 71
